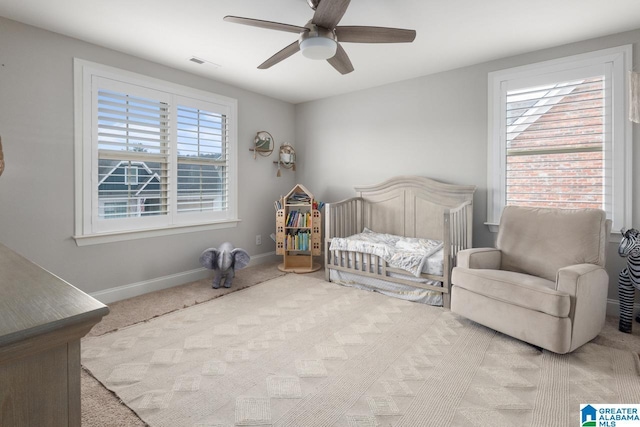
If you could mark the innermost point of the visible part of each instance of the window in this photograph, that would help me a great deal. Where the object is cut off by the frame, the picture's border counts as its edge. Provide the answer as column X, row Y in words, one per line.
column 152, row 157
column 558, row 136
column 131, row 175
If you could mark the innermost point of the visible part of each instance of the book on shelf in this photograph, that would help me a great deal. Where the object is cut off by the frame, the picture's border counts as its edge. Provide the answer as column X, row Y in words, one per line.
column 292, row 218
column 298, row 219
column 298, row 241
column 298, row 199
column 317, row 205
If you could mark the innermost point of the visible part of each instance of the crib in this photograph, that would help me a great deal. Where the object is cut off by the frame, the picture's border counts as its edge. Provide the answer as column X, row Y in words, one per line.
column 412, row 207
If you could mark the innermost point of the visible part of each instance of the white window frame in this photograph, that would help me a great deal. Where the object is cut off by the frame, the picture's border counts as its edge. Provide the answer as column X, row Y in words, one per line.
column 129, row 178
column 87, row 232
column 620, row 59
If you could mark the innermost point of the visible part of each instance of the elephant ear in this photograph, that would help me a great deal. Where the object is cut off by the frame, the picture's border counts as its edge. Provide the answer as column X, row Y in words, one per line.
column 241, row 258
column 209, row 259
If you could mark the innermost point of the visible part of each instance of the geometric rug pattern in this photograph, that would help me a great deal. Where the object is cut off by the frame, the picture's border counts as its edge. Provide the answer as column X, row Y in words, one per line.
column 298, row 351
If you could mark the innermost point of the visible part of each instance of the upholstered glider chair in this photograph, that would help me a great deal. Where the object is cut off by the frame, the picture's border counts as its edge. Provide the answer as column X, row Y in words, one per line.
column 545, row 281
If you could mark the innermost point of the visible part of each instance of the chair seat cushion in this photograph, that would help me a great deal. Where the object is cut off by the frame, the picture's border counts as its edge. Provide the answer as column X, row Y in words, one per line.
column 520, row 289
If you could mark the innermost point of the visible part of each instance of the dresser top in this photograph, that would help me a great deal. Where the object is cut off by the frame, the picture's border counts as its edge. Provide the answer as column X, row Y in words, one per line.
column 34, row 301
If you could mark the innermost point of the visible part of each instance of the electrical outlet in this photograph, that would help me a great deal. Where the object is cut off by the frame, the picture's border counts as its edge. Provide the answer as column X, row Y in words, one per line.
column 258, row 239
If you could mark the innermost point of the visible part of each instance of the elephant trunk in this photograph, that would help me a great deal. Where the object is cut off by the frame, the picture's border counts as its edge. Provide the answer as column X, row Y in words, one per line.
column 225, row 260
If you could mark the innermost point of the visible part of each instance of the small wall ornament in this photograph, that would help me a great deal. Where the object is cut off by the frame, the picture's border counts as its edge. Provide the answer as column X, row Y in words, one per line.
column 286, row 158
column 262, row 144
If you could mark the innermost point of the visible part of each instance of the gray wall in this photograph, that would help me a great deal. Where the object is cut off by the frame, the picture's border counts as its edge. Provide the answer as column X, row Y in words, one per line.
column 37, row 187
column 433, row 126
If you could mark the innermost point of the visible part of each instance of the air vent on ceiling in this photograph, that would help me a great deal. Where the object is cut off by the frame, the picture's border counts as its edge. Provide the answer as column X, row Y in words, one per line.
column 201, row 61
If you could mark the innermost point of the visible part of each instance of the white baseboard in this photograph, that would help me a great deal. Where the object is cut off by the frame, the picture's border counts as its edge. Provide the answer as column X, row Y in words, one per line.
column 613, row 308
column 118, row 293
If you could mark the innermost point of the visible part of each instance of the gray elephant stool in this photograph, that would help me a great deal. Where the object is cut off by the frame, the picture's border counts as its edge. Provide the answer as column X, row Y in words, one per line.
column 224, row 261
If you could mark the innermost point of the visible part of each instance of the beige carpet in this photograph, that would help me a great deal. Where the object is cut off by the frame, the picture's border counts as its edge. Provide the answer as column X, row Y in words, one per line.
column 100, row 407
column 298, row 351
column 144, row 307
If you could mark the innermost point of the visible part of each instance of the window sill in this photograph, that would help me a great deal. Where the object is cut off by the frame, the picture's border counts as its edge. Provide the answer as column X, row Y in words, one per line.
column 101, row 238
column 492, row 227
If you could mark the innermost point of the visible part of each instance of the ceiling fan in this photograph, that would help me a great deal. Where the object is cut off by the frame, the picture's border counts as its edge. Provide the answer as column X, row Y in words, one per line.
column 320, row 38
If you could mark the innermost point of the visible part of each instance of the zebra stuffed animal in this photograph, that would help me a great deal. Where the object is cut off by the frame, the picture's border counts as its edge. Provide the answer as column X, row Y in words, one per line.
column 629, row 278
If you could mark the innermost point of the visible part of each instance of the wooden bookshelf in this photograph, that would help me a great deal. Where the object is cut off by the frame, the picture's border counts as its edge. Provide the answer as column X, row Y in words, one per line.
column 298, row 231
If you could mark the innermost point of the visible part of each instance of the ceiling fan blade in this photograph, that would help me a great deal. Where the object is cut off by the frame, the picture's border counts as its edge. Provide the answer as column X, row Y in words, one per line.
column 280, row 56
column 269, row 25
column 341, row 61
column 329, row 13
column 353, row 34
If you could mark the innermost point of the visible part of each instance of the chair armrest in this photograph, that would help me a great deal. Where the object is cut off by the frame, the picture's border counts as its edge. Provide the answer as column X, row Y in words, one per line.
column 479, row 258
column 573, row 278
column 587, row 286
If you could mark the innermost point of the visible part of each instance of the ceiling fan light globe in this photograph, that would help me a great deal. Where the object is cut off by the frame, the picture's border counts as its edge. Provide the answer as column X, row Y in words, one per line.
column 318, row 47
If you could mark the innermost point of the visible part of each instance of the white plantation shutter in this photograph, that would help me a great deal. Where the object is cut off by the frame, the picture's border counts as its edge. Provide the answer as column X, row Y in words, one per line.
column 133, row 155
column 202, row 179
column 556, row 136
column 153, row 158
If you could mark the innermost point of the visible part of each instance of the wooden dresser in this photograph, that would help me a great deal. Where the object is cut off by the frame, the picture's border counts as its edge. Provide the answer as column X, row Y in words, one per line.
column 42, row 319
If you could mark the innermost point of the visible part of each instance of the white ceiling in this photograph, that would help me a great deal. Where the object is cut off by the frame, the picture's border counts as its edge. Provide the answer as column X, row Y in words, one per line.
column 450, row 34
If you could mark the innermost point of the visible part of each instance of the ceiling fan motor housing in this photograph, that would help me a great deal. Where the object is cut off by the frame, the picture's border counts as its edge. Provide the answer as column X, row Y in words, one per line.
column 318, row 42
column 313, row 4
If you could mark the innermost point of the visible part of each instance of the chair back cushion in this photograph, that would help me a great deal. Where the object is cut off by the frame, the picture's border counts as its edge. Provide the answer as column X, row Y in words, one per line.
column 540, row 241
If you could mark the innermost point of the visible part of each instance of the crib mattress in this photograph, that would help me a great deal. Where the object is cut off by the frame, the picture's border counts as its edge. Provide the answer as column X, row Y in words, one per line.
column 396, row 290
column 433, row 265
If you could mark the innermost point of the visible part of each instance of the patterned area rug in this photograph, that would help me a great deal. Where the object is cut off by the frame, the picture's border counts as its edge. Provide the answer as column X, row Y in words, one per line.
column 298, row 351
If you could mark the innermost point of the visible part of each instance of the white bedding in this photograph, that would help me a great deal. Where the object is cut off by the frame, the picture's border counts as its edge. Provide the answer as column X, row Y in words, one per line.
column 406, row 253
